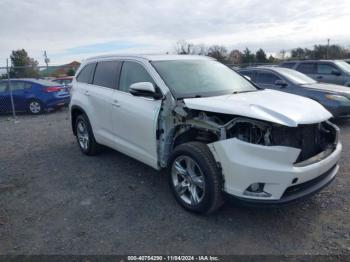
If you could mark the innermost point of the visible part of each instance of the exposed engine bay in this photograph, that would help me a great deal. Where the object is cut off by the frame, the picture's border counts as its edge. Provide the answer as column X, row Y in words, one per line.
column 316, row 141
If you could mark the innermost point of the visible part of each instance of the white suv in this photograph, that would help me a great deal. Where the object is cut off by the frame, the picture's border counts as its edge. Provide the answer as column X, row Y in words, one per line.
column 213, row 129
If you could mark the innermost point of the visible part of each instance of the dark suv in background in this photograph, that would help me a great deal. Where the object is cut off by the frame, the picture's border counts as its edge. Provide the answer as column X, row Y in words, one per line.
column 326, row 71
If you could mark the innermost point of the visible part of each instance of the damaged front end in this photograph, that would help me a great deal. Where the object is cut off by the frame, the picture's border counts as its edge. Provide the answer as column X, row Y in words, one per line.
column 315, row 141
column 253, row 153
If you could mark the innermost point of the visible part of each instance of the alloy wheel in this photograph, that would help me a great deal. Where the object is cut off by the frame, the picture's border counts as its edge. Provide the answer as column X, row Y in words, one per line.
column 188, row 180
column 83, row 135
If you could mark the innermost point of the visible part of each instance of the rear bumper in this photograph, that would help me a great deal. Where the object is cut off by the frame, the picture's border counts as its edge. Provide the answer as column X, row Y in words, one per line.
column 58, row 102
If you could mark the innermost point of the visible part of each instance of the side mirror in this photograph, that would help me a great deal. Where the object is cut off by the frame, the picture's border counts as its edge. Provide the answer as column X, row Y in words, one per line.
column 336, row 72
column 145, row 89
column 247, row 77
column 281, row 83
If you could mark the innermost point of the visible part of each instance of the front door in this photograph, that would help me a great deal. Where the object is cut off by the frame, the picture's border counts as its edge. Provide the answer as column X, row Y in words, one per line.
column 135, row 118
column 327, row 73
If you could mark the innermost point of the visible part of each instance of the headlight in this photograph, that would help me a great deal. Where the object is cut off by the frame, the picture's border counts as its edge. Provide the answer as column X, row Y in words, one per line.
column 338, row 98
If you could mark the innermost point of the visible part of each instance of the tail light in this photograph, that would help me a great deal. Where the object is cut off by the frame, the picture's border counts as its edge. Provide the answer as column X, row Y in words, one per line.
column 51, row 89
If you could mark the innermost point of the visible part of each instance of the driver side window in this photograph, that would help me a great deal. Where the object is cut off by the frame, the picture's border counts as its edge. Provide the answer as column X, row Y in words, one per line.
column 133, row 72
column 266, row 78
column 3, row 87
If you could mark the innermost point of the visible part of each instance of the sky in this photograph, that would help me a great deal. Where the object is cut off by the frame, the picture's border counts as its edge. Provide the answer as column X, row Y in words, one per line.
column 76, row 29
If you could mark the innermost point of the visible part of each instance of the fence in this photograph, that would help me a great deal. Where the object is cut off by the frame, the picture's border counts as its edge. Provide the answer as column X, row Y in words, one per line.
column 33, row 89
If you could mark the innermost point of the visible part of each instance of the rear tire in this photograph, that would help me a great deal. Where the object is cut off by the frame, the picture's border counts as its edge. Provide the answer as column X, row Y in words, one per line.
column 85, row 137
column 195, row 179
column 35, row 107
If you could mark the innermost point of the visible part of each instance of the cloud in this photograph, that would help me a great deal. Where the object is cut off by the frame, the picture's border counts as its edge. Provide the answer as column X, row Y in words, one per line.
column 72, row 30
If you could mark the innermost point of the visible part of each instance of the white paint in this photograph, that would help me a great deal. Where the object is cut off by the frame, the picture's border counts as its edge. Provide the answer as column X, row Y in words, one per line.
column 244, row 164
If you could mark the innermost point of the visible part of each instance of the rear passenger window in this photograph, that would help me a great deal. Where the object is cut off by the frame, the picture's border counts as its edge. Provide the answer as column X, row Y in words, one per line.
column 307, row 68
column 266, row 78
column 17, row 85
column 85, row 74
column 133, row 72
column 107, row 74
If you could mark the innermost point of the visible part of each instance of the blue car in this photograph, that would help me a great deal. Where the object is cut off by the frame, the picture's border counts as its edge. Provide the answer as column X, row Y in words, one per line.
column 32, row 95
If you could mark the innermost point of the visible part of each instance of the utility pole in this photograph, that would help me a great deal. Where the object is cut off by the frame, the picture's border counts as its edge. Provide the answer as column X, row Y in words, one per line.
column 47, row 61
column 10, row 88
column 327, row 54
column 283, row 53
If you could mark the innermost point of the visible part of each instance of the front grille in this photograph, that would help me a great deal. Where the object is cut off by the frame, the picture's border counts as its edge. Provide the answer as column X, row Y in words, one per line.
column 311, row 139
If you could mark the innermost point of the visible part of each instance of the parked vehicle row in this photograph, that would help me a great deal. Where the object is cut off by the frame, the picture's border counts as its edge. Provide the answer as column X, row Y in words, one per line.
column 335, row 98
column 216, row 132
column 32, row 95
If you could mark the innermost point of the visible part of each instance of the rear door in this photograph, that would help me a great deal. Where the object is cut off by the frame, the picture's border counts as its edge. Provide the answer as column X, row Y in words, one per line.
column 19, row 93
column 134, row 117
column 326, row 73
column 101, row 94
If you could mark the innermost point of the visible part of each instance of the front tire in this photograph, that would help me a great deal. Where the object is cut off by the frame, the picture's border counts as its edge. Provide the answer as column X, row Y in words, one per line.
column 85, row 137
column 195, row 179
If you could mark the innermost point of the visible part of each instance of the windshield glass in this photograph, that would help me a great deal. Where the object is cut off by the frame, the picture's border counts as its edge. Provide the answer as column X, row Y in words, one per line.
column 343, row 65
column 295, row 76
column 191, row 78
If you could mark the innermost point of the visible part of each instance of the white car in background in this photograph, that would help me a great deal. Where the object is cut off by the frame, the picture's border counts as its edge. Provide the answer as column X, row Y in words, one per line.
column 214, row 130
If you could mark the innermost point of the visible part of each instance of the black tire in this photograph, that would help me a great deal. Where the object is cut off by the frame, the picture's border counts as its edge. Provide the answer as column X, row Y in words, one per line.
column 92, row 147
column 200, row 153
column 35, row 107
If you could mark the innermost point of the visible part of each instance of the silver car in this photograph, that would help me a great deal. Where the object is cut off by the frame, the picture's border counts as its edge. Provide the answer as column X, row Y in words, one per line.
column 325, row 71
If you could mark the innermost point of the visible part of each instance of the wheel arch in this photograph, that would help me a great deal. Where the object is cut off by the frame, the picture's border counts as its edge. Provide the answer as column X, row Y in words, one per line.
column 75, row 111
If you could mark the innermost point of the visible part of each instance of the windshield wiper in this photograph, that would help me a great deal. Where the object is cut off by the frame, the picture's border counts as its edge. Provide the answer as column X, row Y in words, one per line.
column 246, row 91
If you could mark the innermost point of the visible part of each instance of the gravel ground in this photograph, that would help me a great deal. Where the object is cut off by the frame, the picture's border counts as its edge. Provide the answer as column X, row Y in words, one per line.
column 54, row 200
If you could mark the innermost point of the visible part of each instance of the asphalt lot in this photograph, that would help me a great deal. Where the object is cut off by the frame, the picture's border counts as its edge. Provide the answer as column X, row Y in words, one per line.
column 54, row 200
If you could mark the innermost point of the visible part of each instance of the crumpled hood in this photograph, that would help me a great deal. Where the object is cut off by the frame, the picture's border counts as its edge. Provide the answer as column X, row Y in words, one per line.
column 270, row 105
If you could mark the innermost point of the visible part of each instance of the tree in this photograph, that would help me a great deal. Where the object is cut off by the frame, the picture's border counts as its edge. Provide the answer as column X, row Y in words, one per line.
column 235, row 57
column 218, row 52
column 272, row 59
column 261, row 56
column 70, row 72
column 22, row 65
column 248, row 57
column 184, row 48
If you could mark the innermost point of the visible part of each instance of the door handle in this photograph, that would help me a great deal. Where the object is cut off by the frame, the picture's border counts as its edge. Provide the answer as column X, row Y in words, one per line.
column 319, row 77
column 87, row 93
column 115, row 103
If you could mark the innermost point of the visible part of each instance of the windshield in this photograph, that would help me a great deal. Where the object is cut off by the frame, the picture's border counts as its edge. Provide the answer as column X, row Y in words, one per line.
column 295, row 76
column 343, row 65
column 196, row 78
